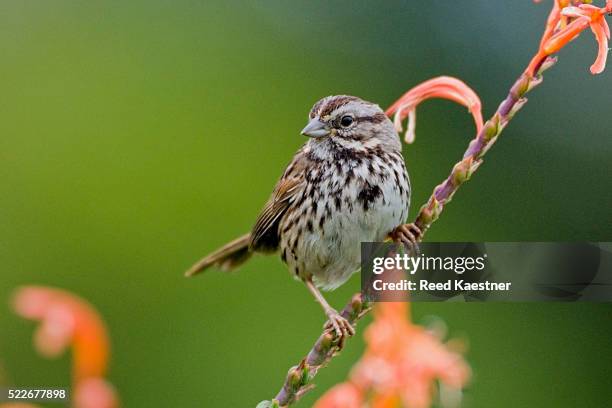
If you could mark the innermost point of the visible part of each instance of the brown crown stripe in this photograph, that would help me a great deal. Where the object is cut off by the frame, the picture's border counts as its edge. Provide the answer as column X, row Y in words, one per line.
column 326, row 106
column 335, row 103
column 315, row 108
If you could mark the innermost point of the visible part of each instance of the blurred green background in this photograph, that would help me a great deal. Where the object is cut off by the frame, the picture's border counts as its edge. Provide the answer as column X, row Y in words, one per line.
column 136, row 136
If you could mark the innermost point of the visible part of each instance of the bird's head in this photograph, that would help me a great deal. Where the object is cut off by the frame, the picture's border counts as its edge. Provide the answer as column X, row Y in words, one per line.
column 348, row 118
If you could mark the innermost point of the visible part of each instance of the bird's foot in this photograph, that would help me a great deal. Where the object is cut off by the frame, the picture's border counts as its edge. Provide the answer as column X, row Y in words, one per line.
column 336, row 323
column 409, row 235
column 340, row 326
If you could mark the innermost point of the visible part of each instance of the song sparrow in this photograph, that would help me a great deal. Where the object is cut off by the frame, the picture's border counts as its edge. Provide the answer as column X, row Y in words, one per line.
column 346, row 185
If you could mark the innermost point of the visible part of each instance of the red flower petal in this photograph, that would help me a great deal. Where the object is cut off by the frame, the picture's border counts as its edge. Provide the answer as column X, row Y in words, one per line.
column 441, row 87
column 66, row 320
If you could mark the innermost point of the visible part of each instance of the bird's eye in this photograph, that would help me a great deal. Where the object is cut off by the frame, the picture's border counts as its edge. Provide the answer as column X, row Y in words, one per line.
column 346, row 121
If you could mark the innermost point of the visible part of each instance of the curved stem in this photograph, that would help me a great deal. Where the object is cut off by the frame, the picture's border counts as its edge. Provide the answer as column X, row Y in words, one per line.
column 324, row 349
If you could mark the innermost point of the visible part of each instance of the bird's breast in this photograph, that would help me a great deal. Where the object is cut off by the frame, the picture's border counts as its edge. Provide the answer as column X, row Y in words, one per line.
column 344, row 202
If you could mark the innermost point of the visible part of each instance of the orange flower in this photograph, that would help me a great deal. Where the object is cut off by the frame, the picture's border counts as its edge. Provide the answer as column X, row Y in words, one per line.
column 553, row 19
column 400, row 367
column 69, row 320
column 441, row 87
column 581, row 16
column 94, row 392
column 343, row 395
column 592, row 16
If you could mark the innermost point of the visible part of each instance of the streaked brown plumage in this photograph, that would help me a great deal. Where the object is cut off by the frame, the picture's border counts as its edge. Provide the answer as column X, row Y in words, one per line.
column 348, row 184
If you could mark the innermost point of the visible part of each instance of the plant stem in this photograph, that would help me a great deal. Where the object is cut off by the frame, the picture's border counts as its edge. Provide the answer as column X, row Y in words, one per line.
column 324, row 349
column 480, row 145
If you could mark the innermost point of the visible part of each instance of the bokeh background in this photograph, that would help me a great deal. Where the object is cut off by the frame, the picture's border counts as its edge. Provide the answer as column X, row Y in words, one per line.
column 136, row 136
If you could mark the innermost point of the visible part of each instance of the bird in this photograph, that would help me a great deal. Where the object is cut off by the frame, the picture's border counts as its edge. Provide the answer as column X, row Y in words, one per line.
column 346, row 185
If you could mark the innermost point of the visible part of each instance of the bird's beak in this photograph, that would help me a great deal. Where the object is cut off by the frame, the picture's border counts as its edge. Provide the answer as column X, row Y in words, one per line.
column 315, row 128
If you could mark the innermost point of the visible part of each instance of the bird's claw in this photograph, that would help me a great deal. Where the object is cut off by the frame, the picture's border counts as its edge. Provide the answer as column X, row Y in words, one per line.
column 408, row 235
column 340, row 326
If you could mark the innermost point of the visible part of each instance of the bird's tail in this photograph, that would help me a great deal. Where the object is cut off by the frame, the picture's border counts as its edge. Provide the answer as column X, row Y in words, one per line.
column 226, row 258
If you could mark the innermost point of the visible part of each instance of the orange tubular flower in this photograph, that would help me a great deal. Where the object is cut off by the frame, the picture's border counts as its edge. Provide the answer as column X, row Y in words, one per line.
column 553, row 19
column 586, row 15
column 343, row 395
column 441, row 87
column 69, row 320
column 400, row 366
column 581, row 16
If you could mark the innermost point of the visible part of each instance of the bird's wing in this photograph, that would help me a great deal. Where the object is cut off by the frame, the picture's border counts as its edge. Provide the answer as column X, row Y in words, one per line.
column 265, row 235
